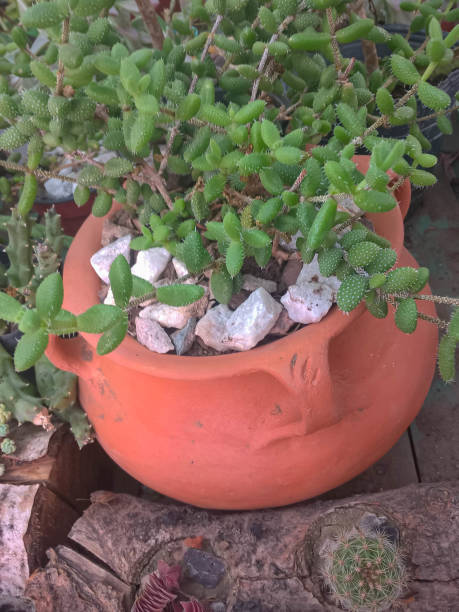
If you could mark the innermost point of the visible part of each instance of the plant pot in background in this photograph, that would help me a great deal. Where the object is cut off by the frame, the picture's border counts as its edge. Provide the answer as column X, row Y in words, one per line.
column 450, row 85
column 72, row 216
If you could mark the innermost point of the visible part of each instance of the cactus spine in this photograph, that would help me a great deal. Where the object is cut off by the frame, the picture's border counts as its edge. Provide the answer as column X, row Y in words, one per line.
column 364, row 572
column 18, row 398
column 19, row 250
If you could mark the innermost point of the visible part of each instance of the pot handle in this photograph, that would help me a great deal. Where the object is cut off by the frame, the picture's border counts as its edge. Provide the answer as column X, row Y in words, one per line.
column 312, row 404
column 72, row 355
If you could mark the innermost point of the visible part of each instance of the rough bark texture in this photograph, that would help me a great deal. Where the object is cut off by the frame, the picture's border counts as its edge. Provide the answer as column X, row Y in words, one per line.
column 71, row 582
column 259, row 561
column 45, row 487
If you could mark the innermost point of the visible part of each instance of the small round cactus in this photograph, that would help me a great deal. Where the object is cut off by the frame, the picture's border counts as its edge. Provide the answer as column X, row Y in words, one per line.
column 364, row 572
column 7, row 446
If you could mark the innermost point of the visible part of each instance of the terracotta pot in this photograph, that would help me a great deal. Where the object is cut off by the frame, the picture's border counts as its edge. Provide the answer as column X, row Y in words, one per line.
column 280, row 423
column 72, row 216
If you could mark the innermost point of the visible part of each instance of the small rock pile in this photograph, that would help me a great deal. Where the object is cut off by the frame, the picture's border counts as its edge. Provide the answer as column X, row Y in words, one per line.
column 262, row 311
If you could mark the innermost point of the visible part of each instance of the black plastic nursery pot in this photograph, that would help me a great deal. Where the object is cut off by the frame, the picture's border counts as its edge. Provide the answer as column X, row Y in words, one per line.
column 450, row 85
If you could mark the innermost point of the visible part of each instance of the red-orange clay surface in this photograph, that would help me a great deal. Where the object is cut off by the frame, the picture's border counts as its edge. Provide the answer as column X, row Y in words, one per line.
column 271, row 426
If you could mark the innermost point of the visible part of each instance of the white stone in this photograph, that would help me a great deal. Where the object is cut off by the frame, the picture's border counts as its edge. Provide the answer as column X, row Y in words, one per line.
column 175, row 316
column 252, row 283
column 151, row 263
column 212, row 327
column 181, row 270
column 109, row 299
column 60, row 189
column 103, row 259
column 152, row 335
column 311, row 273
column 251, row 321
column 183, row 338
column 291, row 244
column 179, row 267
column 308, row 302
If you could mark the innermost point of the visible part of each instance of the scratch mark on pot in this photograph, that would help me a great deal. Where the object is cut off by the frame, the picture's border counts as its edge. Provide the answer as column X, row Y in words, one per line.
column 101, row 416
column 304, row 369
column 276, row 410
column 199, row 424
column 118, row 419
column 315, row 377
column 292, row 363
column 86, row 353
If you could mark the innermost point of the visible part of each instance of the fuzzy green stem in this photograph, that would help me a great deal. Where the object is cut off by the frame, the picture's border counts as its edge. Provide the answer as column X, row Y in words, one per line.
column 44, row 175
column 428, row 71
column 438, row 114
column 151, row 296
column 264, row 57
column 379, row 122
column 439, row 322
column 176, row 126
column 334, row 43
column 439, row 299
column 60, row 70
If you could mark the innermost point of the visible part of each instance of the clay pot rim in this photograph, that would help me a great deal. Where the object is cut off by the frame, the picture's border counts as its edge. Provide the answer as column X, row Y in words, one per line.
column 132, row 355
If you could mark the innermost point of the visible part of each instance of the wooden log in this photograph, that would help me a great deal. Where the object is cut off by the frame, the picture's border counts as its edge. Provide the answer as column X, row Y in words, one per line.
column 54, row 459
column 268, row 560
column 74, row 583
column 32, row 518
column 45, row 487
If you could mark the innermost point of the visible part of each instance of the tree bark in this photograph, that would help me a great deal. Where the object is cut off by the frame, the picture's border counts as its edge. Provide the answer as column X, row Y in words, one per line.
column 269, row 560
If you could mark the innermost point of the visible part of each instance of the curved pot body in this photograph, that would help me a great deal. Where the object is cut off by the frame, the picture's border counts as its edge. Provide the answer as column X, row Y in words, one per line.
column 280, row 423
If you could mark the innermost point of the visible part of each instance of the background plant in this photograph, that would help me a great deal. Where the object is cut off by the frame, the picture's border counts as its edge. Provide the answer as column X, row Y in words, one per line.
column 210, row 131
column 34, row 252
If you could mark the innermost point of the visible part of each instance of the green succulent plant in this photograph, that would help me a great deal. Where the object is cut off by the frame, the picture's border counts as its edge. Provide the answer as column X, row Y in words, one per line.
column 364, row 573
column 34, row 252
column 225, row 105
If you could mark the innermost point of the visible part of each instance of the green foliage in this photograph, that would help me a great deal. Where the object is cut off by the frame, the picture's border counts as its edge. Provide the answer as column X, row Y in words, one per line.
column 246, row 154
column 351, row 292
column 179, row 295
column 406, row 316
column 447, row 358
column 30, row 348
column 121, row 281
